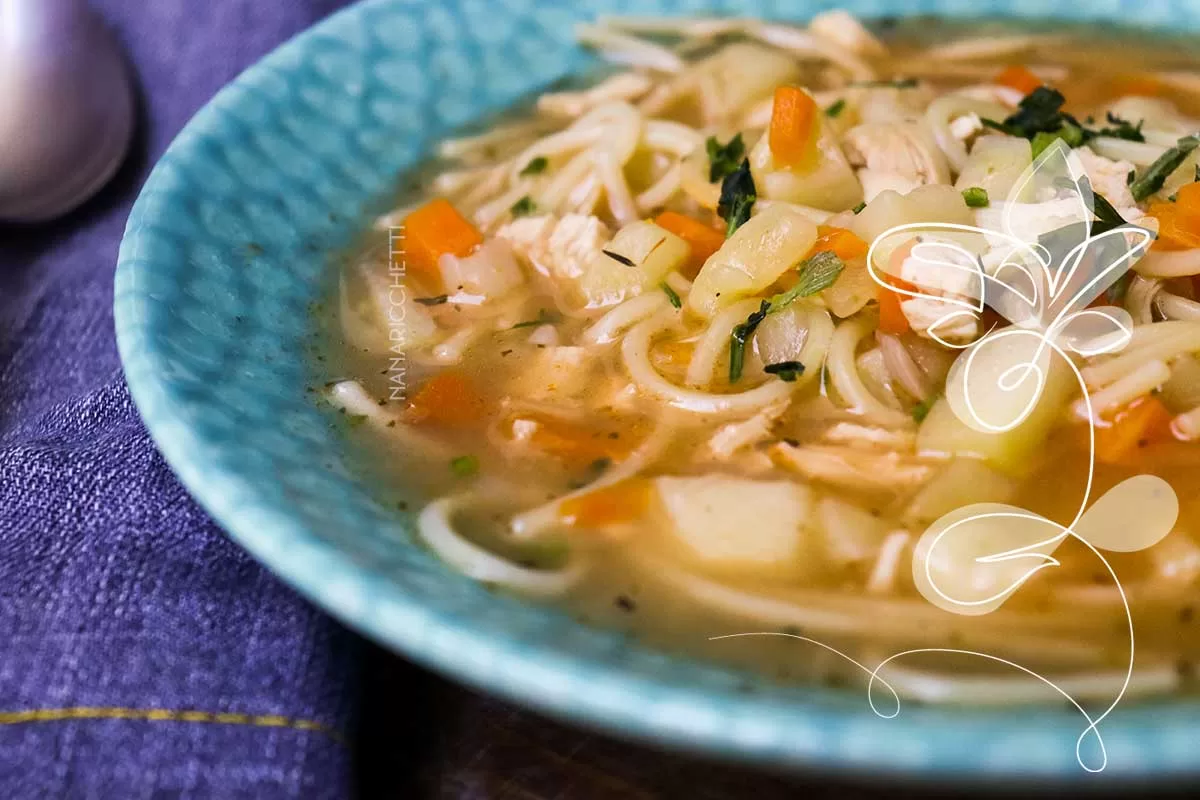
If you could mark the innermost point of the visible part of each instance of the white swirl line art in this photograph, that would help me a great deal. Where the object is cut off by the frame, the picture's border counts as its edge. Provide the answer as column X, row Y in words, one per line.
column 875, row 678
column 1041, row 269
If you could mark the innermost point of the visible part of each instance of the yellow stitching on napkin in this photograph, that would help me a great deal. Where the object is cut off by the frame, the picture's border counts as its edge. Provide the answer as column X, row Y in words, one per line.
column 167, row 715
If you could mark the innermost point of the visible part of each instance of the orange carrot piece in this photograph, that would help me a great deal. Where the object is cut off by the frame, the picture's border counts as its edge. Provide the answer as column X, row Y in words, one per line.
column 578, row 445
column 624, row 501
column 794, row 126
column 1137, row 84
column 891, row 315
column 449, row 399
column 433, row 230
column 1020, row 78
column 1142, row 422
column 1178, row 229
column 702, row 239
column 842, row 242
column 1187, row 199
column 672, row 354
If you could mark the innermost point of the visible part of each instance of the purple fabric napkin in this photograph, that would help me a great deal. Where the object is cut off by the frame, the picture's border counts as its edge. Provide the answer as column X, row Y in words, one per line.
column 141, row 653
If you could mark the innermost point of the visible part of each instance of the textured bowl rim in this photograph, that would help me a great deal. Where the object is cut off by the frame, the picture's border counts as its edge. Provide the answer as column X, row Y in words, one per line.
column 680, row 717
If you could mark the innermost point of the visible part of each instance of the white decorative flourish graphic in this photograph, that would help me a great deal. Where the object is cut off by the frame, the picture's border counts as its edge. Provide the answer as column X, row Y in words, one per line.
column 1042, row 260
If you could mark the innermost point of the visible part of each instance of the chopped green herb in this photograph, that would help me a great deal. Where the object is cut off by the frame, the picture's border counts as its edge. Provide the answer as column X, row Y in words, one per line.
column 1156, row 174
column 1104, row 212
column 1040, row 119
column 1072, row 136
column 787, row 371
column 723, row 159
column 671, row 295
column 543, row 318
column 620, row 259
column 432, row 301
column 535, row 166
column 1038, row 112
column 899, row 83
column 600, row 464
column 464, row 466
column 1122, row 129
column 838, row 107
column 738, row 194
column 817, row 274
column 1196, row 177
column 523, row 207
column 738, row 338
column 921, row 410
column 975, row 197
column 354, row 420
column 1129, row 176
column 858, row 208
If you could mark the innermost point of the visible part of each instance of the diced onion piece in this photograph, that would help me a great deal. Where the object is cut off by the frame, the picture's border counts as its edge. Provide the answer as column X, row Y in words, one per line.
column 761, row 250
column 708, row 518
column 994, row 165
column 1011, row 451
column 653, row 249
column 737, row 75
column 960, row 483
column 825, row 181
column 934, row 203
column 852, row 534
column 781, row 336
column 377, row 316
column 852, row 290
column 490, row 271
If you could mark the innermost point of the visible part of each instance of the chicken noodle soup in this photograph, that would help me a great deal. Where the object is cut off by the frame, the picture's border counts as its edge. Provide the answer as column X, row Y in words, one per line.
column 641, row 366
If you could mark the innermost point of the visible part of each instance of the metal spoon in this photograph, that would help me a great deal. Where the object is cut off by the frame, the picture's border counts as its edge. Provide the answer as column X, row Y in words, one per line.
column 66, row 107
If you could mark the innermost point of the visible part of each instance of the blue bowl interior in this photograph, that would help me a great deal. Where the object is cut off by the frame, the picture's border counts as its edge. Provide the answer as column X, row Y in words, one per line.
column 226, row 253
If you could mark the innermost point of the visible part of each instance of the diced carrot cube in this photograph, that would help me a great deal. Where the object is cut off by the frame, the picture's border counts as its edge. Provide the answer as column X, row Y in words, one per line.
column 1019, row 78
column 702, row 239
column 433, row 230
column 795, row 122
column 449, row 399
column 624, row 501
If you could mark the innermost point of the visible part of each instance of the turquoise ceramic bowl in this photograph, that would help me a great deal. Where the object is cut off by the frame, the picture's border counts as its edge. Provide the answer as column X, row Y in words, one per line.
column 227, row 247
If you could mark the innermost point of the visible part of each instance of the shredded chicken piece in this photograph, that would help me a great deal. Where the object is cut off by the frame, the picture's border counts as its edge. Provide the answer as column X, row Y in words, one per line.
column 627, row 87
column 872, row 437
column 562, row 248
column 853, row 468
column 736, row 436
column 899, row 148
column 842, row 28
column 924, row 313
